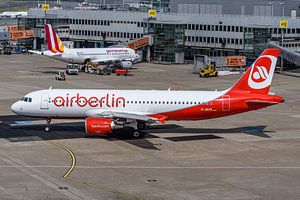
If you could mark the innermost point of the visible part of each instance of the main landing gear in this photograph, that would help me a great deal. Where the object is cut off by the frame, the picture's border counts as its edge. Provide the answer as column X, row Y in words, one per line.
column 137, row 134
column 47, row 128
column 141, row 125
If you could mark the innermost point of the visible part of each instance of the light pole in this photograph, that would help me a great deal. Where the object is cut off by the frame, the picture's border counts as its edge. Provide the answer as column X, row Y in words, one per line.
column 282, row 13
column 45, row 22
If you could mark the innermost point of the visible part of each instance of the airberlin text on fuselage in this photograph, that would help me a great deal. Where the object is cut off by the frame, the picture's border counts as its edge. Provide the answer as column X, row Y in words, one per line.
column 108, row 100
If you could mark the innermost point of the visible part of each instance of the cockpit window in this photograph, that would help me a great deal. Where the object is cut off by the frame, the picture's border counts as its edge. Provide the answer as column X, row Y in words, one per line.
column 26, row 99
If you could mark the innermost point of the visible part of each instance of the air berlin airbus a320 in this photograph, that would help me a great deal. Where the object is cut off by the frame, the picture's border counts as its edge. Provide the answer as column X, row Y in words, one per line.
column 107, row 110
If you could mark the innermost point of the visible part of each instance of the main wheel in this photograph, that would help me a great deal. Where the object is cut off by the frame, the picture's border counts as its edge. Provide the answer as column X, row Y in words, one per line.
column 137, row 134
column 141, row 126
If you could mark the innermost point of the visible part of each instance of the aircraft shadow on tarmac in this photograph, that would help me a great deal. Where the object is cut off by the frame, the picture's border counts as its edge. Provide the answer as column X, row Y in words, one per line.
column 57, row 68
column 45, row 72
column 27, row 132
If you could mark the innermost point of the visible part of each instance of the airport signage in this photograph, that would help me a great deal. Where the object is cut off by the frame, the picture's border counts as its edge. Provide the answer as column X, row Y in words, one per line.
column 44, row 7
column 15, row 28
column 21, row 34
column 284, row 23
column 152, row 13
column 235, row 61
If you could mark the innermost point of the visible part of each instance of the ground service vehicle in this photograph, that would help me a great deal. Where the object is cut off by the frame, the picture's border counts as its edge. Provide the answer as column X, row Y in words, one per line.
column 105, row 71
column 209, row 71
column 72, row 69
column 121, row 72
column 60, row 76
column 204, row 66
column 7, row 51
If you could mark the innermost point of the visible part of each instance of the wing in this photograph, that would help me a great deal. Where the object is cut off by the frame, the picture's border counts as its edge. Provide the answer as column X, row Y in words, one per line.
column 126, row 115
column 99, row 61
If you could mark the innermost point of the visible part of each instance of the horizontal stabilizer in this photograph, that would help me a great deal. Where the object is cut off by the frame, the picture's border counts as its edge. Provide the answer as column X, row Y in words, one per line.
column 35, row 52
column 260, row 103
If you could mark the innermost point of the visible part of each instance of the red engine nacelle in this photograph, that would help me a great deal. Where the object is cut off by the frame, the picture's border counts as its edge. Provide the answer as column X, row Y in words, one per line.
column 99, row 126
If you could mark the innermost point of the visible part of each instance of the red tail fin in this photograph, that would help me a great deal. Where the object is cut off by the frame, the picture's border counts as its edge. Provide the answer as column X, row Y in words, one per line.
column 49, row 38
column 259, row 76
column 54, row 43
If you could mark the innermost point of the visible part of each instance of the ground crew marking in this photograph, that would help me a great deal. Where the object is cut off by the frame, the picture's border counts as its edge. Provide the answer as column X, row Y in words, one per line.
column 72, row 168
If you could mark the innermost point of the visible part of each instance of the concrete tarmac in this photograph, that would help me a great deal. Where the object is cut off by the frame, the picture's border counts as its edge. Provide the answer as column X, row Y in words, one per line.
column 255, row 155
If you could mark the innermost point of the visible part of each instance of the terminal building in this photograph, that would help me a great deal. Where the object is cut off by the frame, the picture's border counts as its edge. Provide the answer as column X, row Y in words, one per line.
column 215, row 28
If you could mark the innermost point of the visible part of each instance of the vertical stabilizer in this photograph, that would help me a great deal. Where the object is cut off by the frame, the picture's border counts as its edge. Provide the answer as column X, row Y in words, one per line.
column 259, row 76
column 55, row 45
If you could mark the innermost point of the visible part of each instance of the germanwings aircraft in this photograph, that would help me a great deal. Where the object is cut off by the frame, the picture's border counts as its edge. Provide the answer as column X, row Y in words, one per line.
column 107, row 110
column 57, row 50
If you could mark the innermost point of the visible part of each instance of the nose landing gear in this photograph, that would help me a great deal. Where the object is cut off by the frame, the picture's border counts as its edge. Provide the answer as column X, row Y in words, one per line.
column 47, row 128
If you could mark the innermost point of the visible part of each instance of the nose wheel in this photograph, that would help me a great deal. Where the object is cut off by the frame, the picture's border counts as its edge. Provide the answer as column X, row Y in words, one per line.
column 47, row 128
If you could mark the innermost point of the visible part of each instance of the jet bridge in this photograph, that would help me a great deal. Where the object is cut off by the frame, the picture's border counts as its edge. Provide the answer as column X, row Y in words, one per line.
column 287, row 54
column 139, row 43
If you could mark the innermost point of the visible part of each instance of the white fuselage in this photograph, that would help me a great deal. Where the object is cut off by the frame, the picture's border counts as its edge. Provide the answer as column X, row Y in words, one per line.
column 66, row 103
column 94, row 55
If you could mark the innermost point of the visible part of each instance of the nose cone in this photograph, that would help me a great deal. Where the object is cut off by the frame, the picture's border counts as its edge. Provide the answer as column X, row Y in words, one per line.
column 15, row 108
column 136, row 57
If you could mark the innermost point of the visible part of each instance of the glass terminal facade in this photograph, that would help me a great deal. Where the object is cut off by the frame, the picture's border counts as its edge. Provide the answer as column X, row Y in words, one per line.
column 168, row 41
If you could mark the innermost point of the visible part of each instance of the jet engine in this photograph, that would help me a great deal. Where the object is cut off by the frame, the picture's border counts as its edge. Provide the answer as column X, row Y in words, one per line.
column 126, row 64
column 100, row 126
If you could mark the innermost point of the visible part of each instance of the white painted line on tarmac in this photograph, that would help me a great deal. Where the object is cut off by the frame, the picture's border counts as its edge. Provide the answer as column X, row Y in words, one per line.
column 148, row 167
column 277, row 113
column 43, row 178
